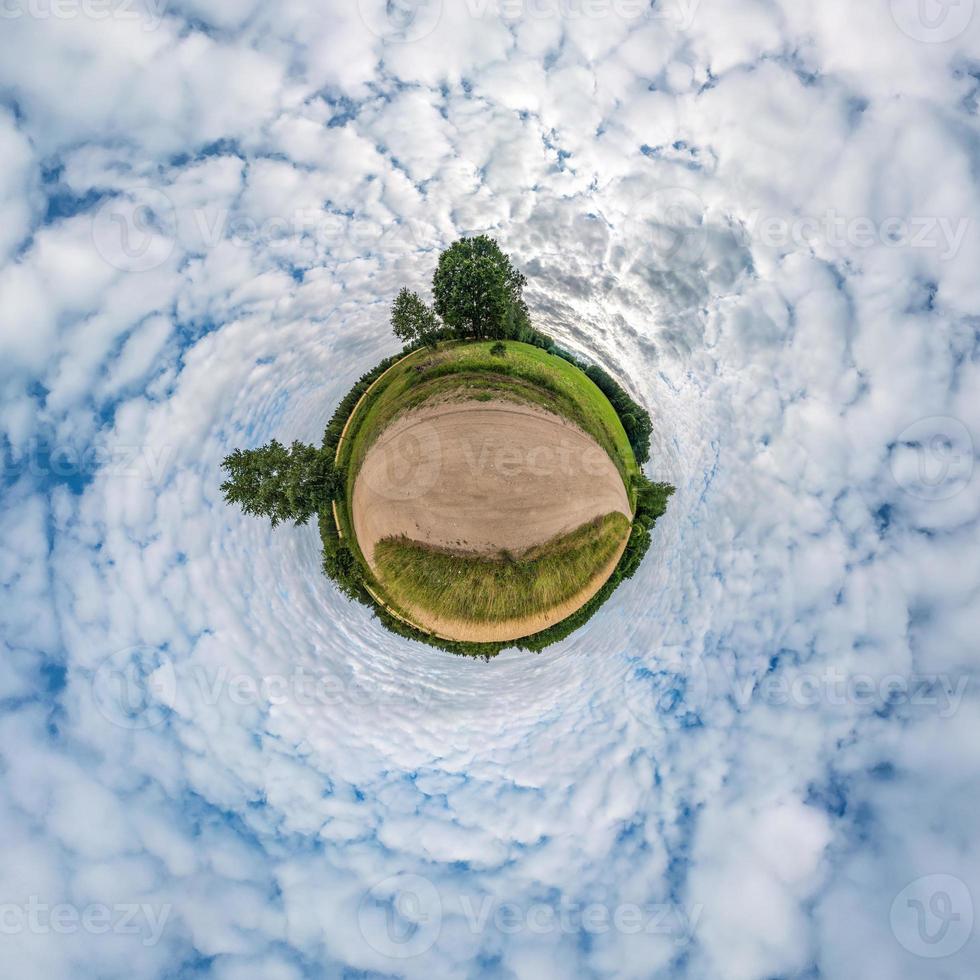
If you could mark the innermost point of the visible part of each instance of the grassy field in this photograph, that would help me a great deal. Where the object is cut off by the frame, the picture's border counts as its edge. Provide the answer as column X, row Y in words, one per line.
column 468, row 370
column 490, row 589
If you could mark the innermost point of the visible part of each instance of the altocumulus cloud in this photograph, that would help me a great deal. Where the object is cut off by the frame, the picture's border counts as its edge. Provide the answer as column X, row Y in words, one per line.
column 760, row 759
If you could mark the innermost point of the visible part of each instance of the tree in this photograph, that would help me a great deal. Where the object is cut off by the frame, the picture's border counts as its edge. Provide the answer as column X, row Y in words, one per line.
column 279, row 483
column 478, row 293
column 412, row 320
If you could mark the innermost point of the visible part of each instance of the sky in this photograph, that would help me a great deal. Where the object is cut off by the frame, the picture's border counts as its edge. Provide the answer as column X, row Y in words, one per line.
column 759, row 760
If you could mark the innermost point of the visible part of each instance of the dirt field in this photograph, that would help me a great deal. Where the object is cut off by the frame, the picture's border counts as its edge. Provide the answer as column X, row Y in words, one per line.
column 484, row 477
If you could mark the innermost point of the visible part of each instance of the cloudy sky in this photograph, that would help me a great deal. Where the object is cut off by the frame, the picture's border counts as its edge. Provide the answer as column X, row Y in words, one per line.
column 760, row 759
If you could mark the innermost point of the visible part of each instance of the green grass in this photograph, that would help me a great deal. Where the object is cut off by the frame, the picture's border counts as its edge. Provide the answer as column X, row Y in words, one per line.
column 468, row 370
column 490, row 589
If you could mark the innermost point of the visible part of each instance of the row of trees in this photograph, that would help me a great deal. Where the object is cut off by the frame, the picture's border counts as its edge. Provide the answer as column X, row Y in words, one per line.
column 477, row 293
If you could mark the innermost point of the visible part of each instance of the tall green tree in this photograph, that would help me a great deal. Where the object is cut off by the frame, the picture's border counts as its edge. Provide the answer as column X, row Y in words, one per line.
column 412, row 320
column 478, row 292
column 279, row 483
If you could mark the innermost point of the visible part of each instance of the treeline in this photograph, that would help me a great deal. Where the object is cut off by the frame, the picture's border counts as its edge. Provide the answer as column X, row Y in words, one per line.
column 635, row 418
column 332, row 433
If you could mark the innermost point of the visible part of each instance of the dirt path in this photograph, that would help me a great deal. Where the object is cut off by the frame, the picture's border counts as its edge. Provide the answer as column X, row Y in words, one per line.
column 360, row 401
column 484, row 477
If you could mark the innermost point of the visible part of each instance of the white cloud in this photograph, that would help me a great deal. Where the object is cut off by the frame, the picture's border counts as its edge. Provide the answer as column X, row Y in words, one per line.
column 651, row 176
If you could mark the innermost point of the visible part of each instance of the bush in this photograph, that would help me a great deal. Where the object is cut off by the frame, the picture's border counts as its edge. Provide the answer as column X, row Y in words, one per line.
column 498, row 349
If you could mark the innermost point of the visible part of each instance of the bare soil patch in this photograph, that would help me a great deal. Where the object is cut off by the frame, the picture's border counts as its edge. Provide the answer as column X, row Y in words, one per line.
column 483, row 478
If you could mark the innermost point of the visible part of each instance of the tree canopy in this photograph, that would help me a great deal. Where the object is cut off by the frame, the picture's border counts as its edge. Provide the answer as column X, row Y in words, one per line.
column 412, row 320
column 478, row 293
column 279, row 483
